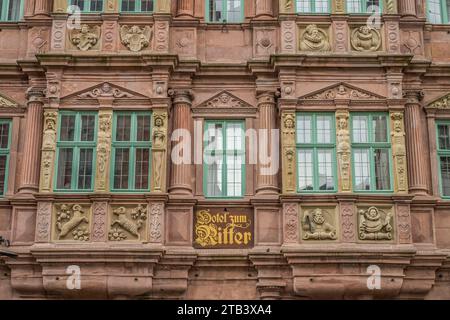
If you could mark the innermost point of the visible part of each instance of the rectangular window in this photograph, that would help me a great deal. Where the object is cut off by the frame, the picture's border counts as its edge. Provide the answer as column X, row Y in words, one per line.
column 224, row 159
column 131, row 151
column 88, row 5
column 316, row 152
column 77, row 132
column 11, row 10
column 5, row 143
column 137, row 6
column 438, row 11
column 371, row 150
column 313, row 6
column 443, row 150
column 364, row 6
column 225, row 11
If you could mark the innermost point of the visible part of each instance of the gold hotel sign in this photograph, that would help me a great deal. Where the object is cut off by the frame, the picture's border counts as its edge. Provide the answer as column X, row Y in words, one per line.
column 223, row 229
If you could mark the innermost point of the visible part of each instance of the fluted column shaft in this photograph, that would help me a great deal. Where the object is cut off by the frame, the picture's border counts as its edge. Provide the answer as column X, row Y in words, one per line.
column 32, row 144
column 407, row 7
column 29, row 8
column 181, row 175
column 264, row 8
column 42, row 7
column 415, row 144
column 267, row 183
column 185, row 7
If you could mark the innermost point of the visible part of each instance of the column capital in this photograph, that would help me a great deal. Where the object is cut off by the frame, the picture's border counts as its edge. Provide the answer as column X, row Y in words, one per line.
column 35, row 94
column 181, row 96
column 413, row 96
column 267, row 96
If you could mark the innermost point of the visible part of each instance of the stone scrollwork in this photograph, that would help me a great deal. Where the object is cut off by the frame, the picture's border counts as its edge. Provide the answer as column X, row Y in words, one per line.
column 375, row 224
column 289, row 153
column 136, row 38
column 343, row 151
column 6, row 102
column 317, row 224
column 71, row 222
column 128, row 223
column 159, row 146
column 441, row 103
column 399, row 152
column 365, row 39
column 85, row 38
column 103, row 151
column 314, row 39
column 48, row 150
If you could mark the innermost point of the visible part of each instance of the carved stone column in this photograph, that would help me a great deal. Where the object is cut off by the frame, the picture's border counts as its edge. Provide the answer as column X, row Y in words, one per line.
column 180, row 179
column 267, row 183
column 343, row 150
column 31, row 152
column 407, row 7
column 29, row 8
column 103, row 150
column 159, row 150
column 399, row 153
column 48, row 150
column 163, row 6
column 42, row 7
column 289, row 154
column 185, row 8
column 415, row 143
column 264, row 8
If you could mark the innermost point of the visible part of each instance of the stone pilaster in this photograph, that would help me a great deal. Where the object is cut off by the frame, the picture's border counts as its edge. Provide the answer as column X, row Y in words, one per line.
column 390, row 6
column 399, row 153
column 407, row 7
column 60, row 6
column 287, row 6
column 112, row 6
column 159, row 150
column 32, row 142
column 289, row 154
column 415, row 143
column 180, row 179
column 42, row 7
column 103, row 150
column 185, row 8
column 264, row 8
column 163, row 6
column 343, row 151
column 267, row 181
column 48, row 150
column 29, row 8
column 338, row 6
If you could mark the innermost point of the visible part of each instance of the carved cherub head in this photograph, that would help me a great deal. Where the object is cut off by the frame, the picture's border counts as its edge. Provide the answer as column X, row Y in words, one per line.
column 372, row 214
column 365, row 30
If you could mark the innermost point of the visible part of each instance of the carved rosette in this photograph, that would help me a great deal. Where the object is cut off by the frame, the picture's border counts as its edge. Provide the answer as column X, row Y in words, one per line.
column 399, row 152
column 156, row 221
column 290, row 213
column 319, row 224
column 343, row 151
column 99, row 211
column 375, row 224
column 58, row 40
column 159, row 150
column 71, row 222
column 103, row 151
column 128, row 223
column 348, row 221
column 48, row 150
column 289, row 152
column 43, row 222
column 404, row 224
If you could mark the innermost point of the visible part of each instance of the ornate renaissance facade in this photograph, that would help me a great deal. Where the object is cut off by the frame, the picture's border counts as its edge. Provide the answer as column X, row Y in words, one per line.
column 96, row 100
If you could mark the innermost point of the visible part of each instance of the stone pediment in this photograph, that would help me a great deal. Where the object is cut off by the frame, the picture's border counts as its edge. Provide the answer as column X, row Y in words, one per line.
column 105, row 90
column 342, row 91
column 440, row 103
column 6, row 102
column 224, row 100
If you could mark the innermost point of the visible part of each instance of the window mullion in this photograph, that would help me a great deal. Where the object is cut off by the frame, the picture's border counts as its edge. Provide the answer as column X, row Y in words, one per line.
column 224, row 158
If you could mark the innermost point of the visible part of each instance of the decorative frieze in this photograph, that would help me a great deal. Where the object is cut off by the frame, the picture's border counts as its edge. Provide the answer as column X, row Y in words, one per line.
column 440, row 103
column 48, row 150
column 375, row 224
column 365, row 39
column 399, row 153
column 343, row 151
column 319, row 224
column 159, row 150
column 86, row 38
column 291, row 223
column 289, row 152
column 136, row 38
column 128, row 222
column 313, row 38
column 6, row 102
column 71, row 222
column 103, row 150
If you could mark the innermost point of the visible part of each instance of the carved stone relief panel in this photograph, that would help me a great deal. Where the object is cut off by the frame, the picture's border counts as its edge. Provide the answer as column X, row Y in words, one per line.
column 156, row 221
column 404, row 228
column 43, row 222
column 100, row 219
column 399, row 152
column 159, row 147
column 136, row 38
column 375, row 223
column 184, row 42
column 86, row 38
column 391, row 6
column 289, row 152
column 38, row 40
column 128, row 222
column 48, row 150
column 103, row 151
column 288, row 36
column 365, row 39
column 71, row 222
column 264, row 43
column 314, row 38
column 412, row 42
column 392, row 36
column 287, row 6
column 291, row 223
column 340, row 28
column 343, row 151
column 58, row 34
column 109, row 37
column 319, row 223
column 348, row 221
column 162, row 36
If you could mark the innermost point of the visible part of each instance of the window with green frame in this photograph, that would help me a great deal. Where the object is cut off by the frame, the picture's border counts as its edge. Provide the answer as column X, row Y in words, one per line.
column 76, row 145
column 363, row 6
column 313, row 6
column 225, row 11
column 11, row 10
column 224, row 159
column 131, row 152
column 443, row 151
column 371, row 152
column 137, row 6
column 438, row 11
column 88, row 5
column 316, row 152
column 5, row 143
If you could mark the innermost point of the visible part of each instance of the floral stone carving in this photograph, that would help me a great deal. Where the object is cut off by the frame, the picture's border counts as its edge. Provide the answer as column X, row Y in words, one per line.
column 365, row 39
column 135, row 38
column 314, row 39
column 71, row 222
column 375, row 224
column 128, row 223
column 317, row 225
column 85, row 38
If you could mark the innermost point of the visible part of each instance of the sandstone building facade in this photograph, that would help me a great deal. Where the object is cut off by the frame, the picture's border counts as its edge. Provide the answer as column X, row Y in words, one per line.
column 92, row 109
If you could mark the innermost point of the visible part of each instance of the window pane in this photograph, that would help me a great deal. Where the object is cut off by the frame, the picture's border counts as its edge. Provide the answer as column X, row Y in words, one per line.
column 87, row 127
column 362, row 169
column 65, row 159
column 214, row 178
column 3, row 162
column 382, row 175
column 234, row 176
column 445, row 175
column 4, row 136
column 372, row 6
column 142, row 169
column 216, row 10
column 123, row 129
column 214, row 137
column 324, row 129
column 85, row 169
column 121, row 167
column 434, row 11
column 143, row 127
column 321, row 6
column 128, row 5
column 234, row 11
column 379, row 126
column 234, row 136
column 353, row 6
column 444, row 136
column 96, row 5
column 303, row 6
column 67, row 130
column 14, row 10
column 304, row 129
column 325, row 169
column 78, row 3
column 305, row 170
column 360, row 129
column 147, row 6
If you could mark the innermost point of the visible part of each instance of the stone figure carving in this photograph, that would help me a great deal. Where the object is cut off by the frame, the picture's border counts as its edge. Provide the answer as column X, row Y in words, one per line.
column 103, row 150
column 135, row 38
column 316, row 225
column 399, row 151
column 288, row 144
column 365, row 39
column 68, row 218
column 375, row 224
column 48, row 150
column 341, row 91
column 131, row 222
column 86, row 37
column 159, row 147
column 343, row 150
column 314, row 39
column 105, row 91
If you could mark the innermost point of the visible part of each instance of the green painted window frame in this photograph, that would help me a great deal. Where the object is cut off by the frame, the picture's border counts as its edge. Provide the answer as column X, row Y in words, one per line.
column 312, row 5
column 363, row 4
column 443, row 12
column 371, row 146
column 87, row 6
column 6, row 152
column 315, row 146
column 77, row 144
column 133, row 144
column 224, row 8
column 138, row 8
column 4, row 11
column 225, row 152
column 441, row 152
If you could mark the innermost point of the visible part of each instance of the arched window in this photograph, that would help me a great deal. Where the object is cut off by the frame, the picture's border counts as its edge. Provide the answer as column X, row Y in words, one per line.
column 225, row 11
column 137, row 6
column 438, row 11
column 11, row 10
column 313, row 6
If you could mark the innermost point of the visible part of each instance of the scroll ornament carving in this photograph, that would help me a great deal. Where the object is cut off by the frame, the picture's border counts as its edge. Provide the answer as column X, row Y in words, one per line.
column 128, row 223
column 156, row 213
column 399, row 151
column 43, row 221
column 365, row 39
column 106, row 91
column 342, row 91
column 441, row 103
column 291, row 222
column 6, row 103
column 343, row 150
column 72, row 223
column 314, row 39
column 404, row 224
column 375, row 224
column 135, row 38
column 86, row 37
column 103, row 150
column 225, row 100
column 317, row 225
column 348, row 224
column 99, row 229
